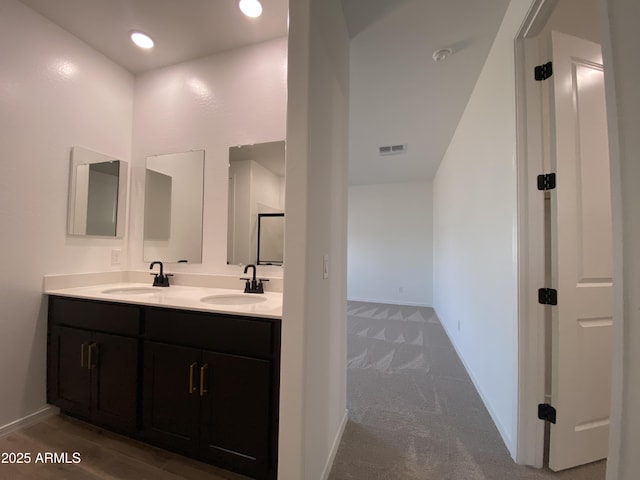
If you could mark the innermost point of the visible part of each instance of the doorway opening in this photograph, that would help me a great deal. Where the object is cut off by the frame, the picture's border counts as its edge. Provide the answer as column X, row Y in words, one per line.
column 565, row 238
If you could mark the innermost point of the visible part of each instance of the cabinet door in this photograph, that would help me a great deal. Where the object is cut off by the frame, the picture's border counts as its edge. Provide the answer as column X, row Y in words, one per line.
column 69, row 375
column 171, row 399
column 114, row 380
column 236, row 410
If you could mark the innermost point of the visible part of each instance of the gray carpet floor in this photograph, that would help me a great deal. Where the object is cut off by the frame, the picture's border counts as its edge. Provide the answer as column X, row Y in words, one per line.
column 414, row 413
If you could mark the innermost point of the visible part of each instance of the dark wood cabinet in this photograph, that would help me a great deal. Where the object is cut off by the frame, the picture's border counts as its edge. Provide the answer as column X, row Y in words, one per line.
column 201, row 384
column 69, row 381
column 171, row 403
column 236, row 411
column 222, row 375
column 92, row 374
column 114, row 380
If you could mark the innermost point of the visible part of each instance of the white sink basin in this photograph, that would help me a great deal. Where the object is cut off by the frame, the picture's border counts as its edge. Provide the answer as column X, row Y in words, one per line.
column 131, row 290
column 234, row 299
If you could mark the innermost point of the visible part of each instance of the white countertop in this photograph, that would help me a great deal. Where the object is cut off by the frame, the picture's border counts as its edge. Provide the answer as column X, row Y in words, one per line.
column 177, row 296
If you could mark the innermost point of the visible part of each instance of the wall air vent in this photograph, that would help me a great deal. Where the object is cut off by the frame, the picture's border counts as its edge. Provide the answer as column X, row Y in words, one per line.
column 392, row 149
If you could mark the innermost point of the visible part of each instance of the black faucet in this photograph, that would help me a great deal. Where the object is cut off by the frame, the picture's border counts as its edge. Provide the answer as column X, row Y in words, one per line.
column 160, row 279
column 251, row 284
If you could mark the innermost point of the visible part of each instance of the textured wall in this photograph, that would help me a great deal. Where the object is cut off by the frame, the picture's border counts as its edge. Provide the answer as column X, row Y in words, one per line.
column 233, row 98
column 55, row 92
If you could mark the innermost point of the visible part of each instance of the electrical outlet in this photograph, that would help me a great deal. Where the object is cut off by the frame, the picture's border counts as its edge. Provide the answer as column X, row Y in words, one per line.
column 115, row 256
column 458, row 324
column 400, row 289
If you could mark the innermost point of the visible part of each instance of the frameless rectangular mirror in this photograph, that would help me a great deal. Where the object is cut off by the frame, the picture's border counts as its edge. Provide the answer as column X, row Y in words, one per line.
column 256, row 187
column 97, row 194
column 174, row 187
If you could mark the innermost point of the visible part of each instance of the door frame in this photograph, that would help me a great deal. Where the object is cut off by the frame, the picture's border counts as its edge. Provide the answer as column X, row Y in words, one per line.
column 530, row 225
column 531, row 242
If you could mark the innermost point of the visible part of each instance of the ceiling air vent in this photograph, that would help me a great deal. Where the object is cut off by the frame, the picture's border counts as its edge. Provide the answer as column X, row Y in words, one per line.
column 392, row 149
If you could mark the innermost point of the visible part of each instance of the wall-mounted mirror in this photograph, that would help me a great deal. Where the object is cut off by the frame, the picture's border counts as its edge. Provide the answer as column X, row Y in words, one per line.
column 174, row 186
column 97, row 194
column 256, row 186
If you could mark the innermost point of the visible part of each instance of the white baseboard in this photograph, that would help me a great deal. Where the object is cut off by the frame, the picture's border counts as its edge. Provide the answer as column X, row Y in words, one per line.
column 504, row 433
column 35, row 417
column 388, row 302
column 334, row 447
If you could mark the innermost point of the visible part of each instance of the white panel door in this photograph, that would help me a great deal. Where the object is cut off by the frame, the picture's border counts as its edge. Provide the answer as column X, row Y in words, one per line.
column 581, row 256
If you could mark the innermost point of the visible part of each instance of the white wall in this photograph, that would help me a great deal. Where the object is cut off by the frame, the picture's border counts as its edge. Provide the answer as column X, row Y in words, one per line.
column 390, row 247
column 475, row 289
column 55, row 92
column 234, row 98
column 313, row 382
column 623, row 104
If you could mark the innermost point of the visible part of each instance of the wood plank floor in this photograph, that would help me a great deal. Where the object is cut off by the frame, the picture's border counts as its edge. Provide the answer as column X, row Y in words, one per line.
column 103, row 455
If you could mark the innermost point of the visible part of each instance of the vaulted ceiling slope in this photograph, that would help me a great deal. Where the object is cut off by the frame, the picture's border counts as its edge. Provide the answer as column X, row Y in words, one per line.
column 182, row 29
column 360, row 14
column 398, row 94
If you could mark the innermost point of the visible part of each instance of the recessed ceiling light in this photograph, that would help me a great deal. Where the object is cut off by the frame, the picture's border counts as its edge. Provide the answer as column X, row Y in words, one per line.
column 142, row 40
column 251, row 8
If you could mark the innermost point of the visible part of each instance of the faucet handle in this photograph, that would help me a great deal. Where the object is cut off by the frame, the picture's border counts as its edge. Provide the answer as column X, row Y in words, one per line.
column 247, row 284
column 161, row 280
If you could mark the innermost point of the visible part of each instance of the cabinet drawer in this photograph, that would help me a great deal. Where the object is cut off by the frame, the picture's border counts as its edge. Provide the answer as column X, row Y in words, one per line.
column 222, row 333
column 98, row 316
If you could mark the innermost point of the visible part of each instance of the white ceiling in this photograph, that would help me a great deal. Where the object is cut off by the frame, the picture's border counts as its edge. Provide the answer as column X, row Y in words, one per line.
column 398, row 94
column 182, row 29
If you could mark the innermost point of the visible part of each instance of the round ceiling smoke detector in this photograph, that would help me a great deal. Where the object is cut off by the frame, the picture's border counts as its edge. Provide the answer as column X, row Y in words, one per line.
column 442, row 54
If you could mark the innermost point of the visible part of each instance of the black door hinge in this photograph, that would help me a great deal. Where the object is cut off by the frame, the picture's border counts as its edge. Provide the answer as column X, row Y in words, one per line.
column 547, row 181
column 542, row 72
column 546, row 412
column 548, row 296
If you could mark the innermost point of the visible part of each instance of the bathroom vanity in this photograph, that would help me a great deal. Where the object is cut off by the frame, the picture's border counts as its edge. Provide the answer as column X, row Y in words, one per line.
column 202, row 382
